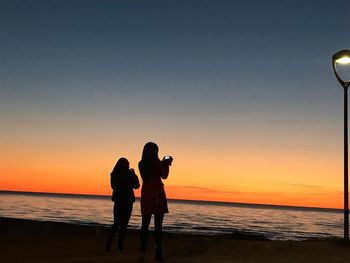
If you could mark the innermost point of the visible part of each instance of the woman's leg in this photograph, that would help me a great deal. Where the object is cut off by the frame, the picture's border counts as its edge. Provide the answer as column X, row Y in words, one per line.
column 158, row 225
column 115, row 226
column 125, row 217
column 146, row 220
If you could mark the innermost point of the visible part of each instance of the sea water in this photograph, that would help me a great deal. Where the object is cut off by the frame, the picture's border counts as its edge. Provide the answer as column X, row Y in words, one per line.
column 195, row 217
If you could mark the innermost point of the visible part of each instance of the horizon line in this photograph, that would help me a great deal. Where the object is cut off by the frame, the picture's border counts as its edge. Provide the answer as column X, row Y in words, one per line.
column 183, row 200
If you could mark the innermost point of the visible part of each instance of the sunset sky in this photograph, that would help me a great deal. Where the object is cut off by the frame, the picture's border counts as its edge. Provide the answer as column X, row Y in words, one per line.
column 241, row 93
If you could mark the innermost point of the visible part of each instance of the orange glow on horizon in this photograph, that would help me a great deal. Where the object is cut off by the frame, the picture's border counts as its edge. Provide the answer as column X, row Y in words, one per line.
column 295, row 197
column 328, row 200
column 243, row 173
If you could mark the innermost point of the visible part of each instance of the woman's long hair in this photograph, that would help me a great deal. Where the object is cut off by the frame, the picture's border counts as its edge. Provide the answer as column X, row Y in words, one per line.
column 150, row 152
column 121, row 167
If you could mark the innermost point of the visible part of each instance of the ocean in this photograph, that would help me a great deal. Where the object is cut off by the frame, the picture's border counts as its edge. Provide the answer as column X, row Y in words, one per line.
column 195, row 217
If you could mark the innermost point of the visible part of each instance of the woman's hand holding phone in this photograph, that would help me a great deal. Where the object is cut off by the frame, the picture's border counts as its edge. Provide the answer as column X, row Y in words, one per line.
column 167, row 160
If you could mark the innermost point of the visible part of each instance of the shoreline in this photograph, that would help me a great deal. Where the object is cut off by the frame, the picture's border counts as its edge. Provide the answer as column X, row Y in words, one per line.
column 24, row 240
column 238, row 235
column 235, row 234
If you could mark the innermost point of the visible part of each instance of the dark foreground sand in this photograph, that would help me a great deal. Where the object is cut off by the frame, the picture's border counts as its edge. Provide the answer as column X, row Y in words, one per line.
column 32, row 241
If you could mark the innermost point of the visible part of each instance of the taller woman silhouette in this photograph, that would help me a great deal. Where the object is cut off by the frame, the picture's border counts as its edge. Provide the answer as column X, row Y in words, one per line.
column 153, row 198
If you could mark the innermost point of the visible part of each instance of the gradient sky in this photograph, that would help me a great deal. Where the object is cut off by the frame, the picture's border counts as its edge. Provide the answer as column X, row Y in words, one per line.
column 241, row 93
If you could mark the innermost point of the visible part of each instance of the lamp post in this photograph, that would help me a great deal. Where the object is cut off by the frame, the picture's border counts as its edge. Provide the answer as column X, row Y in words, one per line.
column 341, row 62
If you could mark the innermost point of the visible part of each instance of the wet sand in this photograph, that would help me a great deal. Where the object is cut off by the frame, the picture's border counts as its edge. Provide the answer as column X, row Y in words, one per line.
column 34, row 241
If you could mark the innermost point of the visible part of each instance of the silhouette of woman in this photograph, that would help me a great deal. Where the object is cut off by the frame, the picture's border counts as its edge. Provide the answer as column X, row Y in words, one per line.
column 153, row 198
column 123, row 181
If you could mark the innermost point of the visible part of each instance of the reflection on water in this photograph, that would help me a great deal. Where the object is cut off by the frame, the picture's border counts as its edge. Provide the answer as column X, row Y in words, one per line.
column 186, row 217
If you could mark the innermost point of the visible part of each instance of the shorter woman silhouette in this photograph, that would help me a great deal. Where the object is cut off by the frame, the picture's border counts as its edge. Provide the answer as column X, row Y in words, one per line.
column 123, row 181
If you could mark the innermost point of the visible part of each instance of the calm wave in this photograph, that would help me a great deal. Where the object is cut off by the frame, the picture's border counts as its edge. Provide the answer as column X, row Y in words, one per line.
column 209, row 218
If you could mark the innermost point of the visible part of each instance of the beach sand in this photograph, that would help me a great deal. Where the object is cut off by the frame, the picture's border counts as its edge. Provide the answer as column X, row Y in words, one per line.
column 34, row 241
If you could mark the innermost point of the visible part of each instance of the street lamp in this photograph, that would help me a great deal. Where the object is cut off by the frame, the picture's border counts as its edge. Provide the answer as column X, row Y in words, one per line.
column 341, row 64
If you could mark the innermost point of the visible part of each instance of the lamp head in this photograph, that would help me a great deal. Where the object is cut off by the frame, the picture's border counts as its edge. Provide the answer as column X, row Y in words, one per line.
column 341, row 67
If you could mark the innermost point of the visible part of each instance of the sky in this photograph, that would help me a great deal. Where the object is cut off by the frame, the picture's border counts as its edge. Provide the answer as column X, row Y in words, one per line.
column 241, row 94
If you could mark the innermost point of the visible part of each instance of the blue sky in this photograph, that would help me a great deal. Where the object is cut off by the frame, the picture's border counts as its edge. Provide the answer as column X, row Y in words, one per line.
column 207, row 75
